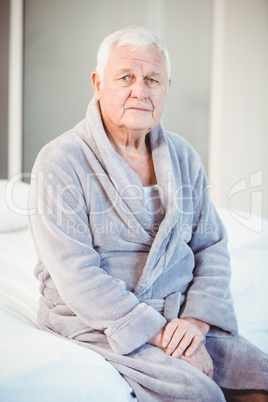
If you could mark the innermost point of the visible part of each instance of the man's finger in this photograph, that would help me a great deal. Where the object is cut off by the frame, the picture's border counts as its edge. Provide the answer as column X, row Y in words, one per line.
column 168, row 333
column 183, row 344
column 193, row 346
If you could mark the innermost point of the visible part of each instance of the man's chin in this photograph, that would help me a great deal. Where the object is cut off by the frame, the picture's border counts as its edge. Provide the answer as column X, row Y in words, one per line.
column 137, row 125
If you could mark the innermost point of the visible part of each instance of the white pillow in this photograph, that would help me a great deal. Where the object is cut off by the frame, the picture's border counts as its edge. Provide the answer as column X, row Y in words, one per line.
column 243, row 232
column 13, row 205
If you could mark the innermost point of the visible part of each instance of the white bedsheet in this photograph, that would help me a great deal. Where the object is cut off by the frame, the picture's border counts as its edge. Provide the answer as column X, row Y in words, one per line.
column 36, row 366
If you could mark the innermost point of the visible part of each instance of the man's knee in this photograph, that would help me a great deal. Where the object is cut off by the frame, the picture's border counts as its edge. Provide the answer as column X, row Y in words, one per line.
column 207, row 390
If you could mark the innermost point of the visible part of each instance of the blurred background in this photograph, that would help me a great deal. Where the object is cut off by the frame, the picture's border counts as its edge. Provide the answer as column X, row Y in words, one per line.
column 218, row 99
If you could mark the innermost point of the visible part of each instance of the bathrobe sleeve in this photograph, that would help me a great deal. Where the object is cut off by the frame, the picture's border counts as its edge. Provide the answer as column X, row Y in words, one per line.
column 208, row 296
column 60, row 228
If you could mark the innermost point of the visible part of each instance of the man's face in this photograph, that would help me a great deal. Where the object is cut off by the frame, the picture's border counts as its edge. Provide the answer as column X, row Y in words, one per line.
column 133, row 91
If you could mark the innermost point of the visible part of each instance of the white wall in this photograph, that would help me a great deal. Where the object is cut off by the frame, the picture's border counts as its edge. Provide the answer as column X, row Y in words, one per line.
column 238, row 161
column 4, row 46
column 188, row 34
column 61, row 41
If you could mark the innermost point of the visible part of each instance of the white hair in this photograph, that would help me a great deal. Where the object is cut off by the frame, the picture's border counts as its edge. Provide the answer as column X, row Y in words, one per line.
column 137, row 37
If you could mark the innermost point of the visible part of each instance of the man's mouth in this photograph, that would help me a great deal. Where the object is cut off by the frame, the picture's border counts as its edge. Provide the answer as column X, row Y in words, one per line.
column 139, row 109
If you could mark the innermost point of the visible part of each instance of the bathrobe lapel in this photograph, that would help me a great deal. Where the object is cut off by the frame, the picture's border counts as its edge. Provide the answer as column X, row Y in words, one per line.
column 168, row 176
column 126, row 184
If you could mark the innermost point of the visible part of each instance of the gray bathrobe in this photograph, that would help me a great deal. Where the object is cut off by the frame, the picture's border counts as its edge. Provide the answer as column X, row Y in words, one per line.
column 111, row 278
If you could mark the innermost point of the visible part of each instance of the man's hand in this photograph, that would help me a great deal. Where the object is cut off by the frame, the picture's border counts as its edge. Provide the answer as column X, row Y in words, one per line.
column 201, row 360
column 181, row 336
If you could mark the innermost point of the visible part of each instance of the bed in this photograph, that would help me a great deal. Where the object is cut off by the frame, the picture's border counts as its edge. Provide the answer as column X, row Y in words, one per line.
column 37, row 366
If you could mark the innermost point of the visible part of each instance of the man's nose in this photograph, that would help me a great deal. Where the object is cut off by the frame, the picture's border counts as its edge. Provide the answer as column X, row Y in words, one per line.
column 139, row 89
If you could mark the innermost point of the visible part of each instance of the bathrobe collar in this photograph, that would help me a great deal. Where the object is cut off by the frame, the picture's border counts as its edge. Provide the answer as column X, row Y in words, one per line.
column 128, row 186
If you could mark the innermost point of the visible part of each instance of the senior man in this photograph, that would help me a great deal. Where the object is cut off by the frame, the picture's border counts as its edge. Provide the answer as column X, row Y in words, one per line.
column 133, row 261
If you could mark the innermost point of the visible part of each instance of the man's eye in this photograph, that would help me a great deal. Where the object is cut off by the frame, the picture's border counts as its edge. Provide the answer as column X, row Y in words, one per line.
column 150, row 80
column 126, row 78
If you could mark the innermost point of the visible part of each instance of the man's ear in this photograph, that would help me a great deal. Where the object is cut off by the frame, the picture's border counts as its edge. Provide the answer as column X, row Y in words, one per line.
column 95, row 78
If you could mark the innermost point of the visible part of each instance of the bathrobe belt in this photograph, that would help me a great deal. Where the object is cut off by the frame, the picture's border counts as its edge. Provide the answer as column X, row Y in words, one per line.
column 168, row 307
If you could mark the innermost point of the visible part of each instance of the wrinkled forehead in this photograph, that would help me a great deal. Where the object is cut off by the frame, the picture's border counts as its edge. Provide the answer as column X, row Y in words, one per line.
column 148, row 57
